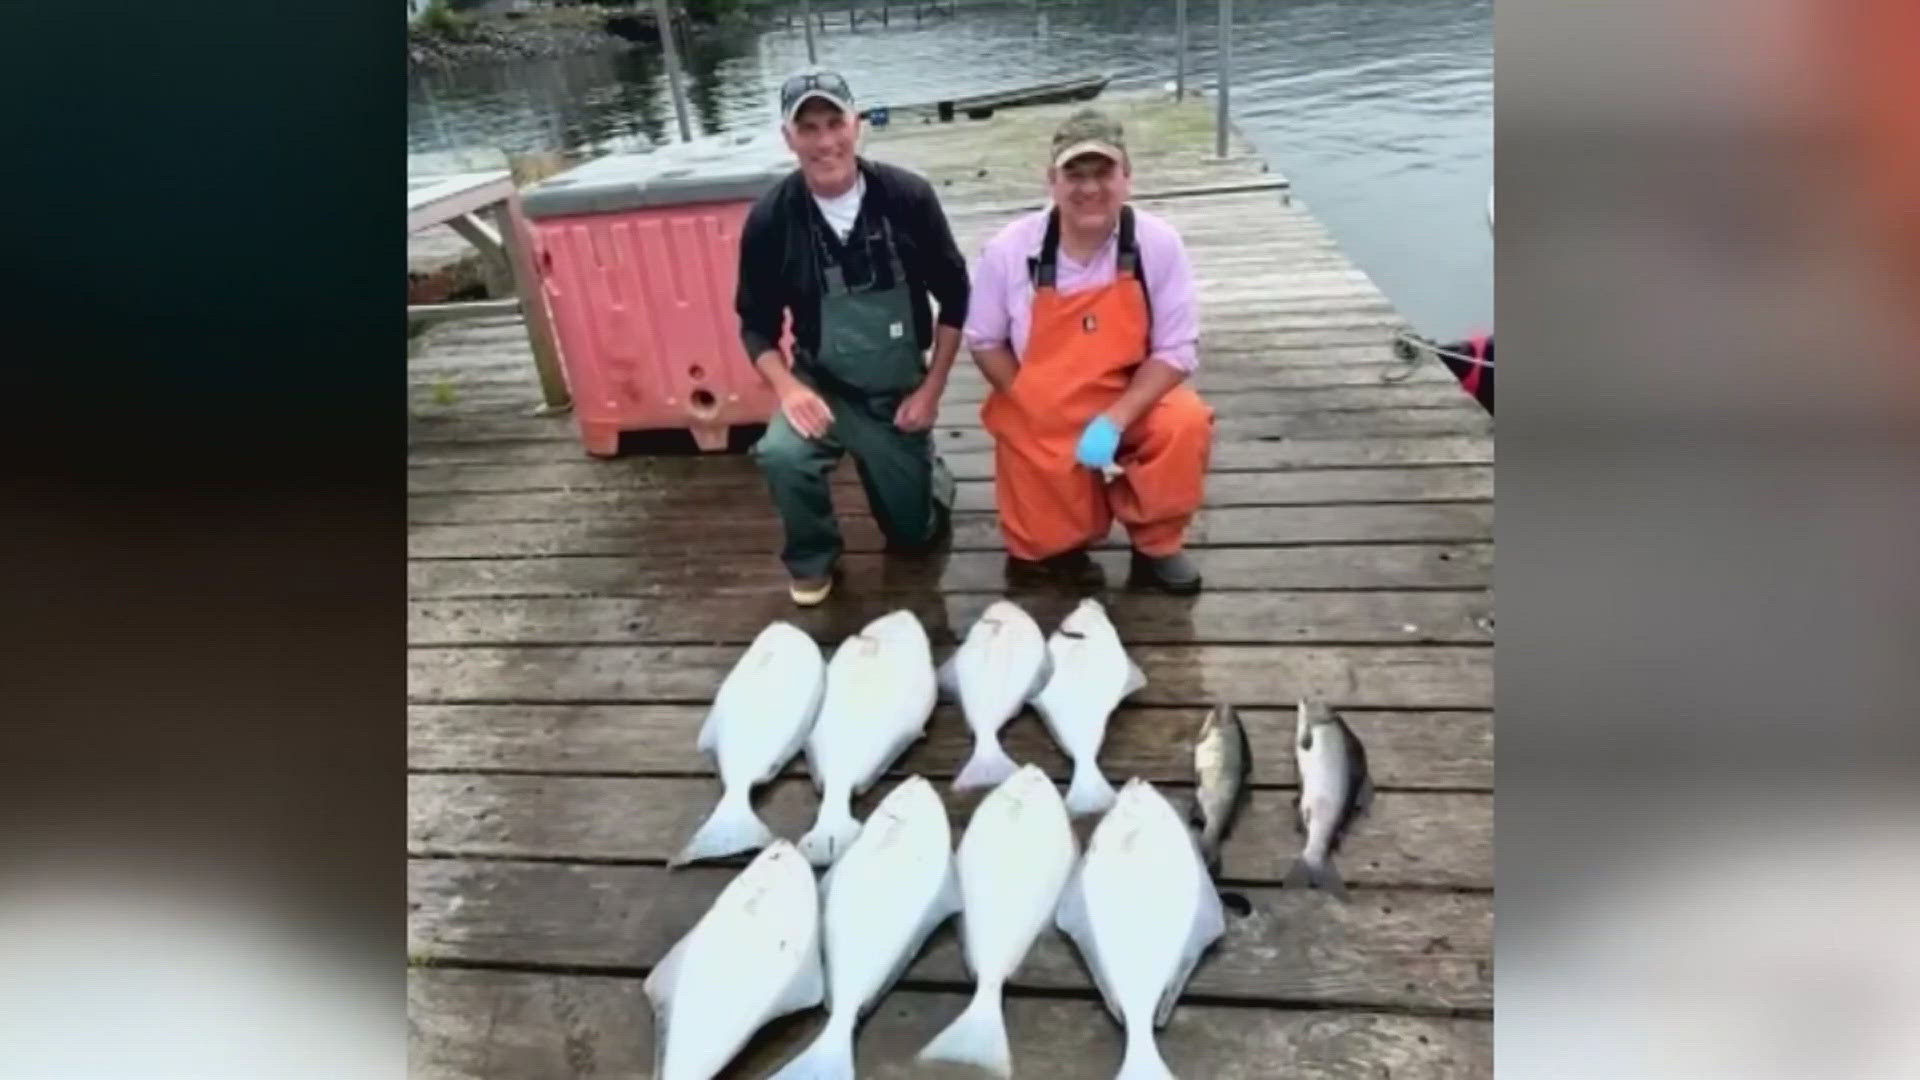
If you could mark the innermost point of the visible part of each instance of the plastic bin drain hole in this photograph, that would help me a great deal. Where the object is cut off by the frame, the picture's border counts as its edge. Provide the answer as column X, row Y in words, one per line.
column 703, row 402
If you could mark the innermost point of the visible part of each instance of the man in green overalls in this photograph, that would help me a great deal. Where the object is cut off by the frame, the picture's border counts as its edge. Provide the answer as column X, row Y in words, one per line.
column 851, row 250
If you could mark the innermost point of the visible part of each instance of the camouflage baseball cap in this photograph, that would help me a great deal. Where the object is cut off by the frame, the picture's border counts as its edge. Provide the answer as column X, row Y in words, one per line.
column 1089, row 131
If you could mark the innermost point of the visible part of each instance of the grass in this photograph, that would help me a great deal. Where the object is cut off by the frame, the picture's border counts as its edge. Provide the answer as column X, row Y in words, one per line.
column 442, row 21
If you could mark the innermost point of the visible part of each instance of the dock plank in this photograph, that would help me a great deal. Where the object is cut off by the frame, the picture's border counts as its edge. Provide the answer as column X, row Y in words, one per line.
column 515, row 1025
column 1388, row 948
column 1274, row 456
column 558, row 559
column 1459, row 483
column 1387, row 618
column 1410, row 838
column 1326, row 423
column 1412, row 677
column 738, row 481
column 976, row 555
column 1412, row 750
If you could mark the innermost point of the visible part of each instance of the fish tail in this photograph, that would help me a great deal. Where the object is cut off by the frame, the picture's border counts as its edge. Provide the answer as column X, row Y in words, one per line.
column 1210, row 851
column 833, row 832
column 977, row 1038
column 1143, row 1060
column 1311, row 875
column 988, row 767
column 1089, row 793
column 828, row 1057
column 732, row 828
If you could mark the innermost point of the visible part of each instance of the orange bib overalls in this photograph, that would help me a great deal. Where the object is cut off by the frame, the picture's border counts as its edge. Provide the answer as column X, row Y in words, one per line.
column 1081, row 353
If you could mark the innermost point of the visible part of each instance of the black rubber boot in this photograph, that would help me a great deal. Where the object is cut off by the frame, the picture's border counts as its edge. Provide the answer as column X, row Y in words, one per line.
column 1074, row 570
column 1173, row 573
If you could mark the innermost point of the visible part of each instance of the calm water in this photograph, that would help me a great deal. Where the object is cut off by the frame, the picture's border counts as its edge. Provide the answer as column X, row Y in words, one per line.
column 1380, row 111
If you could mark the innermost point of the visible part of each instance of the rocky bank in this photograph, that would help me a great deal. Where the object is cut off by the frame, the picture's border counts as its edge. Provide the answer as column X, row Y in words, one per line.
column 478, row 41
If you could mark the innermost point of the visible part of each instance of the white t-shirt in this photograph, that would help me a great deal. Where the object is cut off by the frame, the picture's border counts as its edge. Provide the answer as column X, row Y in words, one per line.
column 844, row 207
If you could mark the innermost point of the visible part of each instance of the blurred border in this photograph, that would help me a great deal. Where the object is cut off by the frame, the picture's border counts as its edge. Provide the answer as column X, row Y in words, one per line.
column 1709, row 268
column 203, row 535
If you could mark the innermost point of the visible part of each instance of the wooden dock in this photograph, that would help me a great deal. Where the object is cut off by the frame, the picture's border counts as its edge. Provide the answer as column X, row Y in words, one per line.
column 568, row 619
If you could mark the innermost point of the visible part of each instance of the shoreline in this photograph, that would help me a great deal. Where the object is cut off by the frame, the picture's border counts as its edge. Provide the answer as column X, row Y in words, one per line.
column 472, row 41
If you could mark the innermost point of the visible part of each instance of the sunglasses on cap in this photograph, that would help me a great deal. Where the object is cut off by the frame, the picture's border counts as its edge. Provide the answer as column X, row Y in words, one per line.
column 799, row 87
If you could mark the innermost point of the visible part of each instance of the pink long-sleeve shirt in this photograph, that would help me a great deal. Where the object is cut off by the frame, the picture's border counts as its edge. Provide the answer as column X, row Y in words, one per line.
column 1001, row 309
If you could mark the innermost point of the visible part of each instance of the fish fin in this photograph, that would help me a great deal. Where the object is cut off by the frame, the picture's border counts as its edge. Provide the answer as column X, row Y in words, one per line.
column 978, row 1037
column 1323, row 877
column 833, row 832
column 1142, row 1060
column 946, row 904
column 988, row 766
column 709, row 732
column 828, row 1057
column 1089, row 792
column 1070, row 915
column 730, row 829
column 1359, row 777
column 787, row 754
column 940, row 912
column 1363, row 795
column 1209, row 922
column 826, row 885
column 809, row 986
column 1299, row 876
column 949, row 901
column 946, row 678
column 1331, row 882
column 813, row 768
column 660, row 980
column 1136, row 679
column 1210, row 855
column 1042, row 676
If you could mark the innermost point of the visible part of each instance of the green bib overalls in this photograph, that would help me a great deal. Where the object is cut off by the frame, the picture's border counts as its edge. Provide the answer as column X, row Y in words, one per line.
column 868, row 362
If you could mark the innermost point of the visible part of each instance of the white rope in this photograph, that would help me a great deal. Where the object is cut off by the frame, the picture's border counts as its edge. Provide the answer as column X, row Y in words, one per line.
column 1405, row 338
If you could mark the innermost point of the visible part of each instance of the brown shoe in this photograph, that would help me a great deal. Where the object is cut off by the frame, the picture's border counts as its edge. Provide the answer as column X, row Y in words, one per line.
column 810, row 592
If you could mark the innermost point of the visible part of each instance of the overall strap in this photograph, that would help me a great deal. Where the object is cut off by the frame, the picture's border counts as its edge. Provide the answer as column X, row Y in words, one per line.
column 833, row 278
column 1127, row 261
column 832, row 273
column 893, row 250
column 1044, row 269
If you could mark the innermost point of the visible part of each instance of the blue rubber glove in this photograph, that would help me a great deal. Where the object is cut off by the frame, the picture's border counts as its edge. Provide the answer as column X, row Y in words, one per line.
column 1098, row 443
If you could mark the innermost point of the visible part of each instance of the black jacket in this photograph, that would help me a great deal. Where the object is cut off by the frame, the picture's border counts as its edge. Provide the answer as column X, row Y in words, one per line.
column 780, row 267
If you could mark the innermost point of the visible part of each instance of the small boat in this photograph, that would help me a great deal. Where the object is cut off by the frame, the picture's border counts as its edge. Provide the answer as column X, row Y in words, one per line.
column 981, row 106
column 1470, row 361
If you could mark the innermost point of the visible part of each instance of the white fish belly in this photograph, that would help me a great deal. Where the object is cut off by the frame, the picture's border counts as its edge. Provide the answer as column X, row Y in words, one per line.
column 884, row 893
column 1012, row 868
column 1142, row 883
column 735, row 968
column 994, row 683
column 873, row 710
column 765, row 724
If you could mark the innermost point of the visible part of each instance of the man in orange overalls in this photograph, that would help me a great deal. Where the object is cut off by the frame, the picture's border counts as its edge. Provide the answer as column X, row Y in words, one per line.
column 1085, row 319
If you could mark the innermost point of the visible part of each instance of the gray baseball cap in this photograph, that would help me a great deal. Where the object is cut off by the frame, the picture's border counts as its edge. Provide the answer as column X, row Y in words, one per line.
column 1089, row 131
column 829, row 86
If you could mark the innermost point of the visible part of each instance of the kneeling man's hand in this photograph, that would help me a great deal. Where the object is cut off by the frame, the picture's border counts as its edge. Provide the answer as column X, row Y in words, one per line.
column 1098, row 443
column 806, row 411
column 919, row 410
